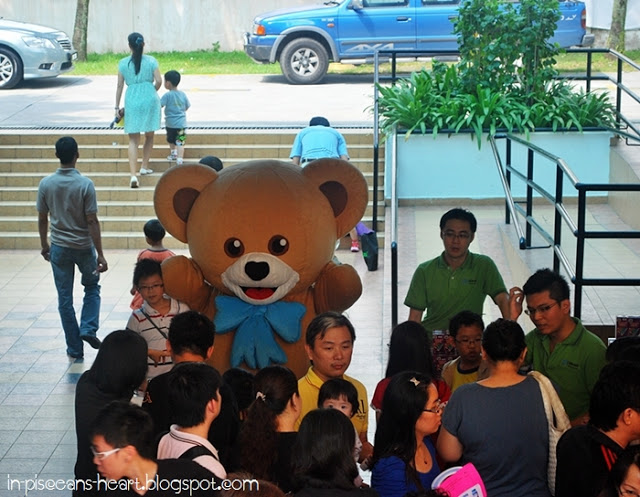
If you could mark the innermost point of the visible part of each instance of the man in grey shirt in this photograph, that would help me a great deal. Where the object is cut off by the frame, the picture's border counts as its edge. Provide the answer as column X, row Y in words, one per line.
column 68, row 199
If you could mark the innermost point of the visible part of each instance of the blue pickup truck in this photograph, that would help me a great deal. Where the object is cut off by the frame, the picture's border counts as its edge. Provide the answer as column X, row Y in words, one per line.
column 305, row 39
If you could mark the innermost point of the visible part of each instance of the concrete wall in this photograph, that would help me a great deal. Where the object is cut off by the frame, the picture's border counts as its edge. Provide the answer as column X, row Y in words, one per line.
column 166, row 24
column 624, row 203
column 198, row 24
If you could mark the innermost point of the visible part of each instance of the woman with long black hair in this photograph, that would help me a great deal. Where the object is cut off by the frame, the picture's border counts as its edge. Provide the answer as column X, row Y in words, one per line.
column 119, row 368
column 141, row 103
column 268, row 433
column 404, row 459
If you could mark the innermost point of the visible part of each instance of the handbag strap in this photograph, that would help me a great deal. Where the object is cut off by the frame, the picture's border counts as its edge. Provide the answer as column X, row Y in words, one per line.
column 556, row 413
column 165, row 336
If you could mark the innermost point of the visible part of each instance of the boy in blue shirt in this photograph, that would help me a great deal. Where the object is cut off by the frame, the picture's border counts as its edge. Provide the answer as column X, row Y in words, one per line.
column 175, row 104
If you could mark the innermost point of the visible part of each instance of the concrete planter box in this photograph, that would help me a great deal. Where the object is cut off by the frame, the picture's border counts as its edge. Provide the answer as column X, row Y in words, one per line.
column 451, row 166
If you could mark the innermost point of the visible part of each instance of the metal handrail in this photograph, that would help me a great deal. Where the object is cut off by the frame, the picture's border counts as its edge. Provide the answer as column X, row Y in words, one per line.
column 620, row 86
column 578, row 229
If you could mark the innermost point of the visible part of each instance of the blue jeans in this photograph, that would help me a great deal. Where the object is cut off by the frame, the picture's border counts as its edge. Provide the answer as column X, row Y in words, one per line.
column 63, row 262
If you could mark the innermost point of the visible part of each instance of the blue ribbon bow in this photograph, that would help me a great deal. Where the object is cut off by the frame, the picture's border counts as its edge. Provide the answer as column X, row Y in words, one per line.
column 255, row 326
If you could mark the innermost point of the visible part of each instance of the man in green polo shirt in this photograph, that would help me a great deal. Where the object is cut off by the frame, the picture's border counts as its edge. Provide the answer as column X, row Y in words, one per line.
column 457, row 280
column 559, row 347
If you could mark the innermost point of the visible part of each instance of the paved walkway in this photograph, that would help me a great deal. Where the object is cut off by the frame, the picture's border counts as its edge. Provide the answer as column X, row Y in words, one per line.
column 218, row 100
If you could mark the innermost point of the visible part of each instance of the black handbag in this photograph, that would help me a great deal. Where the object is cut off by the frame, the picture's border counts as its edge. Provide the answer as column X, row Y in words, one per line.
column 369, row 245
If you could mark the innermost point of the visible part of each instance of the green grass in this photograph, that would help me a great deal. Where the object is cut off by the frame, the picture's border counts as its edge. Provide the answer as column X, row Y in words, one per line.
column 237, row 62
column 197, row 62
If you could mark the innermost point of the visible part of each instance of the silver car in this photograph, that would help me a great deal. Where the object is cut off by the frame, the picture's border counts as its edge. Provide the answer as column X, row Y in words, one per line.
column 29, row 51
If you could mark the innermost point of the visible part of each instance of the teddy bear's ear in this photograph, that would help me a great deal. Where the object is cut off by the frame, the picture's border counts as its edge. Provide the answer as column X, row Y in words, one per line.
column 175, row 194
column 344, row 187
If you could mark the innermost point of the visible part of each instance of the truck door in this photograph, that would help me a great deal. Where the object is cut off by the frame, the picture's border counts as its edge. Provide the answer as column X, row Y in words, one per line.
column 571, row 25
column 434, row 24
column 365, row 25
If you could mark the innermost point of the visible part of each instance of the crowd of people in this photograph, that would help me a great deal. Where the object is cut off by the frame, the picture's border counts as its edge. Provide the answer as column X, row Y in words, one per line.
column 309, row 436
column 190, row 423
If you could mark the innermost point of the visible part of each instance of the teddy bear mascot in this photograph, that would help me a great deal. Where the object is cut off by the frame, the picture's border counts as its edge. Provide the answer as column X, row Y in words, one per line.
column 261, row 236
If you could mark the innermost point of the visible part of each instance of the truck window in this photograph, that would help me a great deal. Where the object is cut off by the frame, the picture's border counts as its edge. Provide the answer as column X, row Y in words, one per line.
column 385, row 3
column 440, row 2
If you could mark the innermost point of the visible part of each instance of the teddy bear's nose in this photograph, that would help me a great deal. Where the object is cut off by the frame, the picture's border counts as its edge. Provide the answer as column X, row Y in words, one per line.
column 257, row 270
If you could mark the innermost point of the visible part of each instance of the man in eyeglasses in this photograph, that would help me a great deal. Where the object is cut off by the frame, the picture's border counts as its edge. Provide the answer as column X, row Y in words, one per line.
column 457, row 279
column 124, row 452
column 559, row 347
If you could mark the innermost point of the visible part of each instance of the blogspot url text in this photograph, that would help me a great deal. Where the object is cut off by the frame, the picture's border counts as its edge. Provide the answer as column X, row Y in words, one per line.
column 178, row 486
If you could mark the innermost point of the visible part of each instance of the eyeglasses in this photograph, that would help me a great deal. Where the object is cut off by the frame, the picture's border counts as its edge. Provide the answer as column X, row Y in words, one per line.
column 438, row 409
column 625, row 492
column 463, row 235
column 469, row 341
column 103, row 455
column 152, row 287
column 543, row 309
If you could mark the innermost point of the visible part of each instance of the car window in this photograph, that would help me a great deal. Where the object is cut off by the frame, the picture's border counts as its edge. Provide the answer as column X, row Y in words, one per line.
column 385, row 3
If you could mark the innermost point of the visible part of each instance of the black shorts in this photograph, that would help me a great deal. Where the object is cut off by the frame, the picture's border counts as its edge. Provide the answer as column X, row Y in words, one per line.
column 176, row 135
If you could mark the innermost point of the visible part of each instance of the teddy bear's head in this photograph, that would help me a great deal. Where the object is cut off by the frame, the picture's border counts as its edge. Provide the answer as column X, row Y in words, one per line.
column 261, row 230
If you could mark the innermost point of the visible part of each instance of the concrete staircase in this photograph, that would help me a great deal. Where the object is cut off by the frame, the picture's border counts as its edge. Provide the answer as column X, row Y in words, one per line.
column 27, row 156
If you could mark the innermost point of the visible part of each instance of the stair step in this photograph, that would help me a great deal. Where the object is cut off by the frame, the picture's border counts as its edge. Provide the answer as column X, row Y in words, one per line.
column 26, row 157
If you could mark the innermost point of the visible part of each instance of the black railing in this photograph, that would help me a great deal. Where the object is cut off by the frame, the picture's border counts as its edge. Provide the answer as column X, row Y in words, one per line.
column 507, row 172
column 625, row 128
column 588, row 77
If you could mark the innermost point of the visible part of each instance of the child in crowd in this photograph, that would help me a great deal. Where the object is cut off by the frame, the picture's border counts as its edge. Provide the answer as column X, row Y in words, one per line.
column 338, row 393
column 409, row 350
column 240, row 381
column 466, row 328
column 176, row 104
column 152, row 320
column 154, row 234
column 212, row 161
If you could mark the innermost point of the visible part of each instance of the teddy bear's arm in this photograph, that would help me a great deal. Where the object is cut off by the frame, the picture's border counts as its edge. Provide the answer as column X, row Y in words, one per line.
column 337, row 288
column 183, row 280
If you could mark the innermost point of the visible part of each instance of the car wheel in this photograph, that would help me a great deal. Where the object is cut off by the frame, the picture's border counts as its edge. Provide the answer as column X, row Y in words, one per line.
column 10, row 69
column 304, row 61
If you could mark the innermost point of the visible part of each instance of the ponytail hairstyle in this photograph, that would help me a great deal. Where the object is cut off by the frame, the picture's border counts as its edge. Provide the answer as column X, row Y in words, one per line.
column 136, row 44
column 274, row 387
column 402, row 406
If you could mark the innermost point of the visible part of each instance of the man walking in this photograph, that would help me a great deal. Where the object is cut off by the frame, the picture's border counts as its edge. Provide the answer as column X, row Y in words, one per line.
column 69, row 200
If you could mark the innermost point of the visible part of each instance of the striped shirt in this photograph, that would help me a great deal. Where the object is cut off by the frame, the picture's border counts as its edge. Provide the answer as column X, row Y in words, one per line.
column 154, row 328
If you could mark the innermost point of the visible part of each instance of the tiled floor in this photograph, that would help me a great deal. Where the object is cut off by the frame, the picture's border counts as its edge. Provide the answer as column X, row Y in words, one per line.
column 37, row 380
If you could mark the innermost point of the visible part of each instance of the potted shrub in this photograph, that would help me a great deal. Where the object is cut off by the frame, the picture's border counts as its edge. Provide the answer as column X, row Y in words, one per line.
column 505, row 80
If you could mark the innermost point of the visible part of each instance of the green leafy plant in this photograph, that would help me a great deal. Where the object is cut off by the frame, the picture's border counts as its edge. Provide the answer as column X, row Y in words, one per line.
column 504, row 80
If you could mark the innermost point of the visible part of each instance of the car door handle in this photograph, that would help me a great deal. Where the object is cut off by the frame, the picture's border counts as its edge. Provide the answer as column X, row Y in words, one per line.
column 402, row 18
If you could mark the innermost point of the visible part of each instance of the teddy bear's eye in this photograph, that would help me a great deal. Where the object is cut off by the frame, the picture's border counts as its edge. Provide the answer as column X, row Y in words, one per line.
column 233, row 247
column 278, row 245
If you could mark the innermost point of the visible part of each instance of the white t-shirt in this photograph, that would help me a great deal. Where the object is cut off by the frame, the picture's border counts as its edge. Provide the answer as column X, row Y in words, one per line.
column 176, row 442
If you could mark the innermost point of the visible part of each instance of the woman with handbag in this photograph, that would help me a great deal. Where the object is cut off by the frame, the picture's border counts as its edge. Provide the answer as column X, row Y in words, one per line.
column 504, row 430
column 141, row 102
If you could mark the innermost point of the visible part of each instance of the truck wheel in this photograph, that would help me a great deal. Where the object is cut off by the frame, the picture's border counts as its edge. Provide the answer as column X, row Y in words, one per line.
column 10, row 69
column 304, row 62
